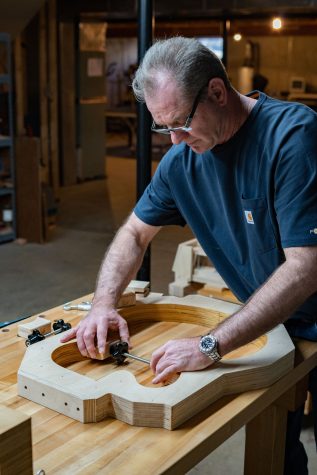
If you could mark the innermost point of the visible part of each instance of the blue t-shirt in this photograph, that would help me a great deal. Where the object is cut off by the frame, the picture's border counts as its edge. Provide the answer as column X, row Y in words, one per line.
column 247, row 199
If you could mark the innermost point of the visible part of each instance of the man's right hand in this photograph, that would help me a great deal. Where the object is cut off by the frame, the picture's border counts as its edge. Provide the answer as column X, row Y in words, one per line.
column 91, row 333
column 121, row 263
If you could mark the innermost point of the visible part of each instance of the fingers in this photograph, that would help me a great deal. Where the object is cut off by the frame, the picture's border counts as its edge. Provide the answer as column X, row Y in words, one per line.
column 102, row 331
column 91, row 333
column 124, row 331
column 90, row 341
column 176, row 356
column 165, row 375
column 82, row 336
column 162, row 365
column 84, row 339
column 69, row 335
column 156, row 356
column 165, row 364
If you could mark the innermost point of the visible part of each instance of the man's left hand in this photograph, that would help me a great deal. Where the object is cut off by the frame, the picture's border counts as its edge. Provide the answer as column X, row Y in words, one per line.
column 176, row 356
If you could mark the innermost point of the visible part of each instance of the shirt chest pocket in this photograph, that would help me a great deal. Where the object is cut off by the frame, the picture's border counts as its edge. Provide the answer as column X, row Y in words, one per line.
column 258, row 227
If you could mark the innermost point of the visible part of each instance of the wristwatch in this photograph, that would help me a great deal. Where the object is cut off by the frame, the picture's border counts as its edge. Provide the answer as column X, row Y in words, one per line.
column 209, row 346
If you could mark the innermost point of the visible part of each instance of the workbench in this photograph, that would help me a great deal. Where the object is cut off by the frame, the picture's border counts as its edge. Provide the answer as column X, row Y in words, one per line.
column 62, row 445
column 129, row 117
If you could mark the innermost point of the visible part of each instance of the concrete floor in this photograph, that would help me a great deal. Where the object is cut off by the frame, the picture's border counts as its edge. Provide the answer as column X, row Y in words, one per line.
column 36, row 277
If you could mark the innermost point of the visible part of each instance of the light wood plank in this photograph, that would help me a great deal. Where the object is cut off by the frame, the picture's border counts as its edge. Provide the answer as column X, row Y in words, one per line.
column 15, row 443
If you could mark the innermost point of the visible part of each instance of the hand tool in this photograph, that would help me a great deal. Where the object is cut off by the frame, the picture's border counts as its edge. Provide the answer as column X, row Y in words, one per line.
column 59, row 326
column 119, row 351
column 81, row 306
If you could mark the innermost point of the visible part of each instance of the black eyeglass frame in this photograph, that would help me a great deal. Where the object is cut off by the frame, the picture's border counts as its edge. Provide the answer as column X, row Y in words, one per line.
column 184, row 128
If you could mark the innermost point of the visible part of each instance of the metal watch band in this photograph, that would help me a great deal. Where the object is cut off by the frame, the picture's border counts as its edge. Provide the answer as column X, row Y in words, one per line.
column 212, row 353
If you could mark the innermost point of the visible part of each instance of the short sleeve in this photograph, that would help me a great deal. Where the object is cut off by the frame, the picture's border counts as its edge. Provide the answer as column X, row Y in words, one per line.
column 157, row 206
column 296, row 187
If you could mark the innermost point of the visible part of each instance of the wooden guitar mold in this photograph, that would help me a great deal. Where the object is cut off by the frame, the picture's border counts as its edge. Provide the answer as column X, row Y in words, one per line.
column 45, row 376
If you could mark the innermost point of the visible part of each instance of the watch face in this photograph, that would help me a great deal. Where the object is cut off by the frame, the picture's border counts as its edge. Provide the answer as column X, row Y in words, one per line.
column 207, row 343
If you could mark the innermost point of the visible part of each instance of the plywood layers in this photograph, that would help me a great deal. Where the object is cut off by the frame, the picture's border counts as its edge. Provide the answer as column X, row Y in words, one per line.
column 44, row 377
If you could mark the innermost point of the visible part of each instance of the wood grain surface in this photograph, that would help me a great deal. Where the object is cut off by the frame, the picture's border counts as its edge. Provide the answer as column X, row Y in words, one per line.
column 15, row 442
column 47, row 374
column 63, row 446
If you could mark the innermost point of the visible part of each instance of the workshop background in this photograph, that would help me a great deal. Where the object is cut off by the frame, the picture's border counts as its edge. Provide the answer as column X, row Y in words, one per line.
column 69, row 132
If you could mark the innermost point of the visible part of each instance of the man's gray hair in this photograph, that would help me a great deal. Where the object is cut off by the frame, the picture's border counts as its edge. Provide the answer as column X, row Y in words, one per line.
column 184, row 60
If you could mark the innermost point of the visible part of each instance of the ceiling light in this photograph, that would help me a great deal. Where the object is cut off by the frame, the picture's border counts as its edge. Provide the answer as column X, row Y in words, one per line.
column 276, row 23
column 237, row 37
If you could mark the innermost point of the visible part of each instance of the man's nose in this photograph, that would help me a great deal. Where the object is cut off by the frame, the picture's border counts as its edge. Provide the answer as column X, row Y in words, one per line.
column 177, row 137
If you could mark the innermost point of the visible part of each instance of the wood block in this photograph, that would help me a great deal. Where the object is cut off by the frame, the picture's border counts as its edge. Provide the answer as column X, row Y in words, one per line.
column 127, row 299
column 40, row 323
column 223, row 293
column 116, row 392
column 181, row 288
column 139, row 287
column 15, row 443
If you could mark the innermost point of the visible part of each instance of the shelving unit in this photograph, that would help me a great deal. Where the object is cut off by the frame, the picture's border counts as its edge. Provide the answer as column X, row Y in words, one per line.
column 7, row 172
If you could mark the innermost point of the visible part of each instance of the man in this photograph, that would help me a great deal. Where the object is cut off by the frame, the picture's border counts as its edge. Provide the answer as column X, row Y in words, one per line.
column 242, row 173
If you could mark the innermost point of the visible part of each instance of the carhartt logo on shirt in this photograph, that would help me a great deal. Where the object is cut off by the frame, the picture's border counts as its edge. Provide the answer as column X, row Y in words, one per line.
column 313, row 231
column 249, row 217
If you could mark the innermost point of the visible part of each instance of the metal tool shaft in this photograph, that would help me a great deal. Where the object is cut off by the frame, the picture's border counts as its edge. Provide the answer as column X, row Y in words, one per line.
column 138, row 358
column 54, row 332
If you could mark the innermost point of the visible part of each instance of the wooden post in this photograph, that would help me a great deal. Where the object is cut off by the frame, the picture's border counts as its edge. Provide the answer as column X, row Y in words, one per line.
column 53, row 105
column 43, row 81
column 15, row 443
column 29, row 207
column 265, row 442
column 19, row 91
column 67, row 91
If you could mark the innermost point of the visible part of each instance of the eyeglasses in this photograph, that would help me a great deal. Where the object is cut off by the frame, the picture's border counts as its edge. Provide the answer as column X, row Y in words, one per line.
column 186, row 128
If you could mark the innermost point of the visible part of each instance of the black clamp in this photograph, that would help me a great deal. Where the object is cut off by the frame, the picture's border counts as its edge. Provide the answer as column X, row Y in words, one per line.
column 118, row 350
column 59, row 326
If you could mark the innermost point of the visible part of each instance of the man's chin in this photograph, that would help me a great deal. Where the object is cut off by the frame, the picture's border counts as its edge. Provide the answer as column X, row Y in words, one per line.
column 199, row 148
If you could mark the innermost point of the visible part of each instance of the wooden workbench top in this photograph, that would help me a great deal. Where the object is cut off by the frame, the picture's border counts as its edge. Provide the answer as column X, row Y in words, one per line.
column 64, row 446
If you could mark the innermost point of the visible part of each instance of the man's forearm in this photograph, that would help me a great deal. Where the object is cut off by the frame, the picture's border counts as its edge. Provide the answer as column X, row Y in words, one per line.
column 122, row 261
column 291, row 284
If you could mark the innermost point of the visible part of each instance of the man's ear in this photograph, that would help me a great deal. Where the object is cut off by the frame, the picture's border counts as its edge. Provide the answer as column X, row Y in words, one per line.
column 217, row 91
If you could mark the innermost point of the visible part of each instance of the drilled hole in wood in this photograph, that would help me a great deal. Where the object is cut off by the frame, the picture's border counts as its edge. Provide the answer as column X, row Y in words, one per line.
column 43, row 394
column 66, row 403
column 78, row 409
column 25, row 387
